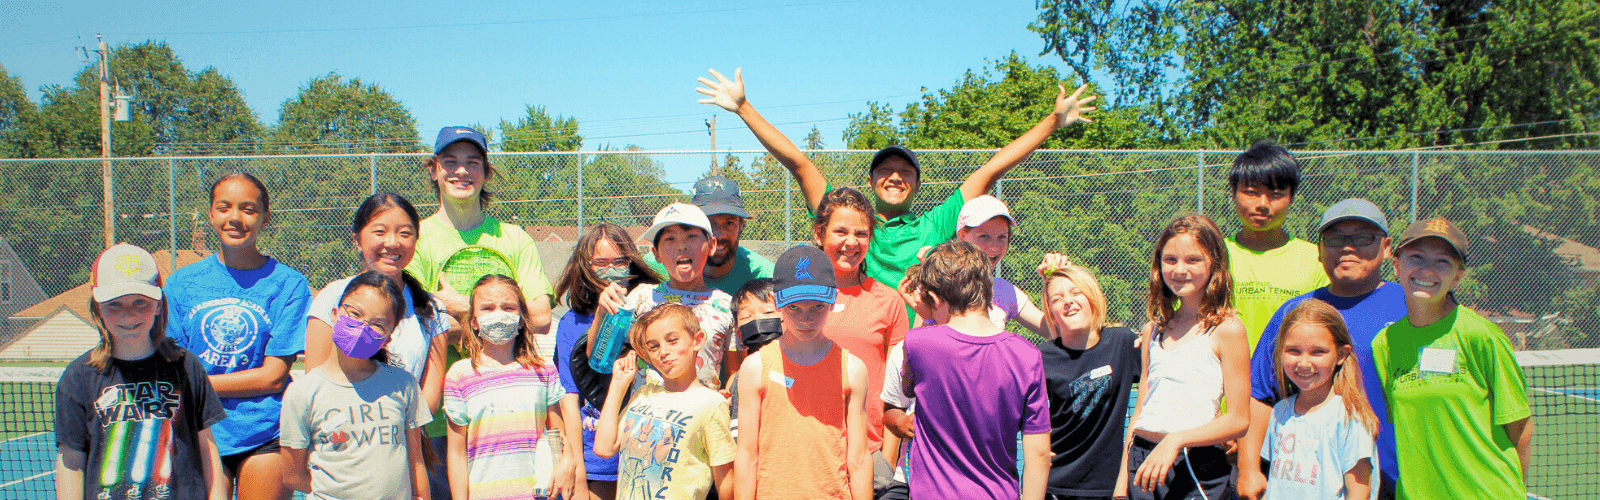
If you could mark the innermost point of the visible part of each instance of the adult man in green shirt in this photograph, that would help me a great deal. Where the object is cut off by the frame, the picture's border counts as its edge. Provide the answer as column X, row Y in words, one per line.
column 729, row 266
column 895, row 176
column 1268, row 265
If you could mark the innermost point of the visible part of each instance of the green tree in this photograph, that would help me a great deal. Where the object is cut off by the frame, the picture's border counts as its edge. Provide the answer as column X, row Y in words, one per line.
column 871, row 129
column 335, row 115
column 18, row 118
column 540, row 131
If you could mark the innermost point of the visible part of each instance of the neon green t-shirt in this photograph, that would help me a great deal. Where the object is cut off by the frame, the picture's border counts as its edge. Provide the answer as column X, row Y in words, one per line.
column 437, row 241
column 1263, row 281
column 895, row 241
column 1451, row 386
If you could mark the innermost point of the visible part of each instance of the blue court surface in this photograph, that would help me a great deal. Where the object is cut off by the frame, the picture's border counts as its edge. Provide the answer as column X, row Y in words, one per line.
column 30, row 467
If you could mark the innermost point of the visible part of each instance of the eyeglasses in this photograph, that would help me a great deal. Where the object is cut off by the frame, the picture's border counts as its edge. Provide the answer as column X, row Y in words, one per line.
column 617, row 262
column 1339, row 241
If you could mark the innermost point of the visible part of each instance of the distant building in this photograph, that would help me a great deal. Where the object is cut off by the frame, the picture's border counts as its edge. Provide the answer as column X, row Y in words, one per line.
column 18, row 291
column 60, row 327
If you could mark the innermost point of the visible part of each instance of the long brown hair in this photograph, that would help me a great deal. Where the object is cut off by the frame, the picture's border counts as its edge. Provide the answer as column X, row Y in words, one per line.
column 525, row 348
column 842, row 198
column 1215, row 304
column 100, row 355
column 1346, row 375
column 579, row 284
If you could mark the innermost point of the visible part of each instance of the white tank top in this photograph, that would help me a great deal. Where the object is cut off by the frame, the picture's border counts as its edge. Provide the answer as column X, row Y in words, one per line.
column 1185, row 385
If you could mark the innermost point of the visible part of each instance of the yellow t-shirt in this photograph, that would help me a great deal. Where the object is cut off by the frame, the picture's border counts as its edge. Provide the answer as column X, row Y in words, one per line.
column 671, row 440
column 1263, row 281
column 437, row 241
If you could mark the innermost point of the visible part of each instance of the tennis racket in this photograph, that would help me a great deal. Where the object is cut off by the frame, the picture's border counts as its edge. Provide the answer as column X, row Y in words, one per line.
column 468, row 265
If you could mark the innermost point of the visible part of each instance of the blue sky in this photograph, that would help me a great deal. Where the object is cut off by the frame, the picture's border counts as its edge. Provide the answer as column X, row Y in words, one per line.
column 626, row 70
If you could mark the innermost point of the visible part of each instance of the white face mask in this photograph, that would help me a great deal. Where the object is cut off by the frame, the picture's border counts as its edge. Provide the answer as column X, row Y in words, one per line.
column 499, row 327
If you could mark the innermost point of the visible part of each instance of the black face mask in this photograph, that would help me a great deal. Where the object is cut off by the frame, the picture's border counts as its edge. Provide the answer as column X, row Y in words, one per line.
column 759, row 332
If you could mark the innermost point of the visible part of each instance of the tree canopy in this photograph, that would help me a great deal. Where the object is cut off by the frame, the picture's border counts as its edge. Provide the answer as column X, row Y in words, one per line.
column 337, row 115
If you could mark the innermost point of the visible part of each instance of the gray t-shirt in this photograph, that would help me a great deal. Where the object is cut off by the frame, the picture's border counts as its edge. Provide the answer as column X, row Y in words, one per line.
column 356, row 433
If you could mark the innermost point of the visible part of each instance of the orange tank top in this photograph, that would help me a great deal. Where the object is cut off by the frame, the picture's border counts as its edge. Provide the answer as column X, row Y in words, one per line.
column 800, row 451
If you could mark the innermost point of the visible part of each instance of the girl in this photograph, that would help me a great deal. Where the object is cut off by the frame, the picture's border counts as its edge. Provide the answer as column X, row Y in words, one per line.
column 1456, row 395
column 985, row 221
column 868, row 317
column 133, row 415
column 498, row 399
column 605, row 254
column 1194, row 355
column 241, row 314
column 1321, row 440
column 1089, row 370
column 352, row 427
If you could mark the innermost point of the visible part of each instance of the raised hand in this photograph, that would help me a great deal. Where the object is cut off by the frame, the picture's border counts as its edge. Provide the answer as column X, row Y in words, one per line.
column 623, row 370
column 1051, row 263
column 725, row 94
column 1070, row 109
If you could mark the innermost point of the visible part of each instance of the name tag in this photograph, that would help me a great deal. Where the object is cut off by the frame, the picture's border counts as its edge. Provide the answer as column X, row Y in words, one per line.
column 1442, row 361
column 781, row 379
column 838, row 307
column 1099, row 372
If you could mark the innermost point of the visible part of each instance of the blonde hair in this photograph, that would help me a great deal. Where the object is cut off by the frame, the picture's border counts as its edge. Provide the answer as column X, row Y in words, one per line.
column 100, row 355
column 683, row 313
column 1086, row 283
column 1346, row 375
column 525, row 347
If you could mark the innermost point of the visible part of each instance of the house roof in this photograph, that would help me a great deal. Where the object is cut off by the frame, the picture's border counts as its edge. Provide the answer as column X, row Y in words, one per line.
column 77, row 298
column 1580, row 256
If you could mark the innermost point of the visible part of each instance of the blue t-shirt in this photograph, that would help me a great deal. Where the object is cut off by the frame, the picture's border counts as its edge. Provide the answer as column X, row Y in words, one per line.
column 574, row 326
column 1365, row 316
column 232, row 320
column 1311, row 453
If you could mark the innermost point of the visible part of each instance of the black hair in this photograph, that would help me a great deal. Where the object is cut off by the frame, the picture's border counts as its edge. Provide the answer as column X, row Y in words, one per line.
column 421, row 300
column 1266, row 164
column 266, row 202
column 759, row 289
column 391, row 291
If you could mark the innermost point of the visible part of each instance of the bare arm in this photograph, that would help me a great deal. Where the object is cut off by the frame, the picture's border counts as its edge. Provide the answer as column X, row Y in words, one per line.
column 744, row 461
column 456, row 452
column 539, row 316
column 721, row 479
column 729, row 95
column 857, row 458
column 1035, row 465
column 419, row 472
column 1031, row 317
column 319, row 342
column 296, row 472
column 1521, row 432
column 1068, row 110
column 1358, row 480
column 1138, row 407
column 1229, row 345
column 218, row 487
column 562, row 480
column 271, row 377
column 69, row 473
column 573, row 426
column 1252, row 483
column 607, row 439
column 433, row 374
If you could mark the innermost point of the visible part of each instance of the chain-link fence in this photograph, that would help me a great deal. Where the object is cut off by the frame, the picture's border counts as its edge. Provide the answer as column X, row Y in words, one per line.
column 1531, row 216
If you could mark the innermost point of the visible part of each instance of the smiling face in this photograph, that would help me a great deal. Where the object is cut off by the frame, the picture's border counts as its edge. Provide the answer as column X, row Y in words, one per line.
column 1069, row 308
column 671, row 348
column 895, row 181
column 1185, row 267
column 1309, row 356
column 388, row 242
column 993, row 237
column 683, row 250
column 369, row 305
column 459, row 171
column 1261, row 208
column 129, row 317
column 726, row 228
column 803, row 320
column 845, row 239
column 1349, row 265
column 1428, row 270
column 237, row 213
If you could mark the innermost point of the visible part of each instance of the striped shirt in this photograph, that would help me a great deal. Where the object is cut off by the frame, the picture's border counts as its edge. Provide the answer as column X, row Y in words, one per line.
column 503, row 410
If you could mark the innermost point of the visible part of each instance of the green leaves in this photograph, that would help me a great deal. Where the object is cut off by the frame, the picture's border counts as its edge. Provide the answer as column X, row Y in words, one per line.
column 335, row 115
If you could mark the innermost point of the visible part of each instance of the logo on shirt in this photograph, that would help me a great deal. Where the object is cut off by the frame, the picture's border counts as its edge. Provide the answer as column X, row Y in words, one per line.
column 230, row 326
column 136, row 401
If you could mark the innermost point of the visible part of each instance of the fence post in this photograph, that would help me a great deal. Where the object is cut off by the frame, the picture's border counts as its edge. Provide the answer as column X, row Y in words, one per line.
column 580, row 193
column 999, row 189
column 1200, row 183
column 788, row 215
column 1414, row 158
column 172, row 214
column 372, row 173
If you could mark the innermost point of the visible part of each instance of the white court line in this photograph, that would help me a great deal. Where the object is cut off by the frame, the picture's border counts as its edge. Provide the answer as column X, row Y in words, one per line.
column 18, row 438
column 1536, row 497
column 29, row 478
column 1561, row 393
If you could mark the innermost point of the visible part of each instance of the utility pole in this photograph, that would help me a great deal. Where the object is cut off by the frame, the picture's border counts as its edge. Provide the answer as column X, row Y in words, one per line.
column 712, row 125
column 106, row 180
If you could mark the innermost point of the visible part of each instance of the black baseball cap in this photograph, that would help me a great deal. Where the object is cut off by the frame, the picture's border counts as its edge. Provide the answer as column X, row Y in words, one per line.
column 719, row 195
column 803, row 273
column 895, row 150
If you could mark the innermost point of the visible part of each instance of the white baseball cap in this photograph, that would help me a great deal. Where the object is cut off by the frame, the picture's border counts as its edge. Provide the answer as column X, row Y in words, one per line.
column 124, row 269
column 675, row 214
column 979, row 210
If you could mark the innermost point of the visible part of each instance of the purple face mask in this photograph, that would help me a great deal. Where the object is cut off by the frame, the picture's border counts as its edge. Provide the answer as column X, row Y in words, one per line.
column 357, row 339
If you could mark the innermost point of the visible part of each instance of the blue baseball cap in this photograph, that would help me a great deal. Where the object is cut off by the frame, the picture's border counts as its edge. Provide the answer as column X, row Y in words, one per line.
column 452, row 135
column 803, row 273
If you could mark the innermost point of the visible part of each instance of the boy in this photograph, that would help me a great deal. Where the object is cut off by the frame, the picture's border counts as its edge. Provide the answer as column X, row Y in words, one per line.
column 759, row 324
column 802, row 399
column 975, row 386
column 1269, row 266
column 674, row 440
column 681, row 235
column 985, row 221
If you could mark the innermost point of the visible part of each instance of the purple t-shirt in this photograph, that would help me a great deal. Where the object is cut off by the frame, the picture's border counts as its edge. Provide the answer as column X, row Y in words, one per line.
column 973, row 395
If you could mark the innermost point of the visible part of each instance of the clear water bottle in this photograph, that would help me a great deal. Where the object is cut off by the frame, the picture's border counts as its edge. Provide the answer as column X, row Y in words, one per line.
column 609, row 340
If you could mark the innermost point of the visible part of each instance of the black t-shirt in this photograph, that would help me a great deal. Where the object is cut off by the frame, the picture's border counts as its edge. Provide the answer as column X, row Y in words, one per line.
column 138, row 424
column 1088, row 411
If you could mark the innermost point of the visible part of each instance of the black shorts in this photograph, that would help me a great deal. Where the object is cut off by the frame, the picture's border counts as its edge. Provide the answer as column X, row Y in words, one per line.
column 236, row 460
column 1210, row 473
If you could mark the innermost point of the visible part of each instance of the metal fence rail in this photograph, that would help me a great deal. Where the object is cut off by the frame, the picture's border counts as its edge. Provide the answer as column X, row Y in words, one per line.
column 1532, row 215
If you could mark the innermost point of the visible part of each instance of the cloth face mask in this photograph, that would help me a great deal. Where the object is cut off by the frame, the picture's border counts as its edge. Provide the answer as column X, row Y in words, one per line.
column 499, row 327
column 356, row 338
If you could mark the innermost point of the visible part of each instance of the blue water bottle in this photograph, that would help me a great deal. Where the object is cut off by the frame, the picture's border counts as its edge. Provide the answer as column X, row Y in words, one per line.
column 609, row 340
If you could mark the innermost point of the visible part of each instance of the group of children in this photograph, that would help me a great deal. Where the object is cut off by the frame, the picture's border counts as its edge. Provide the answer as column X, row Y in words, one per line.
column 869, row 365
